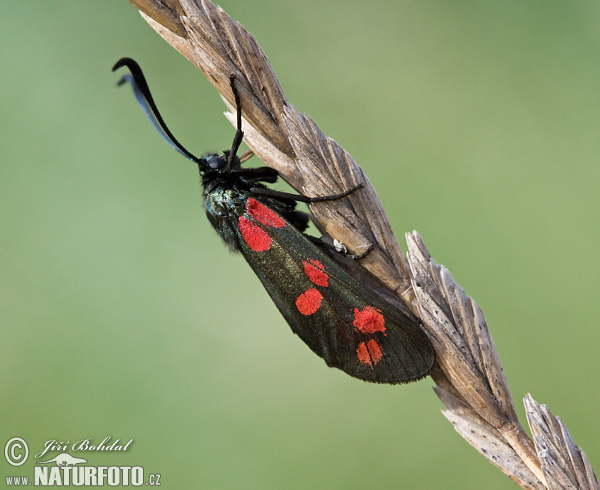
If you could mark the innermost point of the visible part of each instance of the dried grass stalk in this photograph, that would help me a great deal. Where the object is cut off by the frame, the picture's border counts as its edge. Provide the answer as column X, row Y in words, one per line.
column 565, row 465
column 469, row 376
column 471, row 382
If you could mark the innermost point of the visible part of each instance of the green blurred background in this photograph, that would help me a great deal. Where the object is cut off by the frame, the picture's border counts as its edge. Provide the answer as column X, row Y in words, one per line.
column 123, row 315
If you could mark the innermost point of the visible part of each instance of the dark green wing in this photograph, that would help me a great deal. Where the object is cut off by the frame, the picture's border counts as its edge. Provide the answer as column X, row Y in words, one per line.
column 346, row 324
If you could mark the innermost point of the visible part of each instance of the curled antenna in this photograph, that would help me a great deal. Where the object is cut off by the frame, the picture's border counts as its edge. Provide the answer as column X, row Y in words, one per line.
column 144, row 98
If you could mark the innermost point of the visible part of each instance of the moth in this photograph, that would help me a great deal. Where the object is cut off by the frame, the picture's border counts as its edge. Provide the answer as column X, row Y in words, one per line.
column 342, row 321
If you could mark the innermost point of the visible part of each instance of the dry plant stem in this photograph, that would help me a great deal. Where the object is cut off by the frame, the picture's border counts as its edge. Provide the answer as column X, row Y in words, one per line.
column 563, row 462
column 471, row 382
column 166, row 13
column 485, row 439
column 469, row 377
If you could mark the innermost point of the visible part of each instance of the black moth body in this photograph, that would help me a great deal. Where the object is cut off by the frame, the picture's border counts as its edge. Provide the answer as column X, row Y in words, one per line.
column 348, row 325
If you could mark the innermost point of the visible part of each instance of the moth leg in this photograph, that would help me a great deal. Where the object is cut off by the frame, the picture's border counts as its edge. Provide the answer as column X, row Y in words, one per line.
column 333, row 197
column 300, row 197
column 254, row 174
column 239, row 134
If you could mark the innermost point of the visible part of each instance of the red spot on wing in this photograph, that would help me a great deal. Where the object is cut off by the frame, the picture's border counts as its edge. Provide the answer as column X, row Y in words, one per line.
column 254, row 236
column 369, row 352
column 369, row 320
column 263, row 214
column 316, row 272
column 309, row 301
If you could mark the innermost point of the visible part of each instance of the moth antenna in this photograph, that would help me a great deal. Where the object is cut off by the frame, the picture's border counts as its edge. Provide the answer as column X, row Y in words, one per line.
column 142, row 93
